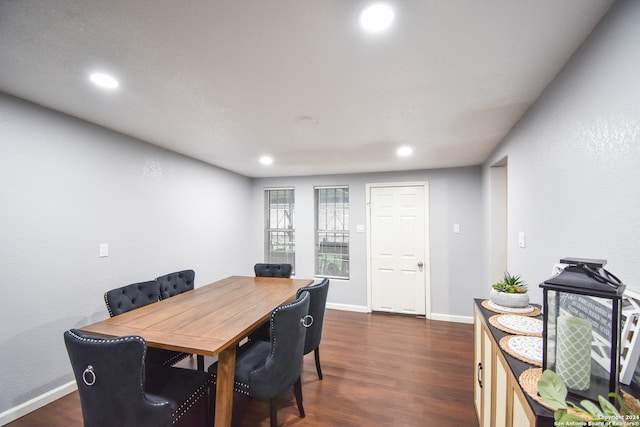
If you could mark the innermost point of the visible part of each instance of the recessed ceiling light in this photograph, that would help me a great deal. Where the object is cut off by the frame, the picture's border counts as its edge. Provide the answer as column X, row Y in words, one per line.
column 404, row 151
column 306, row 120
column 377, row 17
column 103, row 80
column 266, row 160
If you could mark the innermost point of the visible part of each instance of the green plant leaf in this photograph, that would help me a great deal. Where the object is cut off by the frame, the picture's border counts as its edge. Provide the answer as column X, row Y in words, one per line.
column 562, row 416
column 577, row 408
column 607, row 407
column 557, row 415
column 500, row 287
column 624, row 409
column 592, row 408
column 552, row 389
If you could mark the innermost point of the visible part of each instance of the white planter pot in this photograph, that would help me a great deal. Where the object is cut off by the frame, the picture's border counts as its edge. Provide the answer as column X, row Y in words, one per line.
column 509, row 300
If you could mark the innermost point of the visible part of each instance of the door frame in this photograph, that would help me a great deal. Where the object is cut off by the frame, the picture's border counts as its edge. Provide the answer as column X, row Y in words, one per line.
column 427, row 260
column 499, row 218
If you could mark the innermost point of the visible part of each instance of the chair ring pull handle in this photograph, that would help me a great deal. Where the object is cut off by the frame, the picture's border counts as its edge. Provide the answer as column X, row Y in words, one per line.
column 307, row 321
column 88, row 376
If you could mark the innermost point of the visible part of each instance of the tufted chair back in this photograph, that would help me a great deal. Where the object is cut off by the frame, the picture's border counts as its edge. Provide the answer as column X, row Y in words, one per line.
column 176, row 283
column 117, row 390
column 265, row 369
column 273, row 270
column 126, row 298
column 318, row 294
column 282, row 367
column 110, row 375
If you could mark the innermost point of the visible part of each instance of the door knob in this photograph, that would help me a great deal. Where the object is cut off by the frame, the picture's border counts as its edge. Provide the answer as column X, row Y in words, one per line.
column 420, row 264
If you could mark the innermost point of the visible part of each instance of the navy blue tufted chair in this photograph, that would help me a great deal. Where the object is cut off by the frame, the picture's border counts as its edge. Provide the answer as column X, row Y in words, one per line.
column 268, row 270
column 176, row 283
column 265, row 369
column 129, row 297
column 318, row 294
column 117, row 390
column 126, row 298
column 273, row 270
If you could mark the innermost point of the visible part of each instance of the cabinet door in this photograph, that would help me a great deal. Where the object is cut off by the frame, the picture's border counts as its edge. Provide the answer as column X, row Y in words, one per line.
column 521, row 411
column 487, row 372
column 484, row 358
column 498, row 398
column 477, row 358
column 501, row 387
column 483, row 355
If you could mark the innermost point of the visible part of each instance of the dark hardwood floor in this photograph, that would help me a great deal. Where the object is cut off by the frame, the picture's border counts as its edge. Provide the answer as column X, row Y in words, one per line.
column 379, row 370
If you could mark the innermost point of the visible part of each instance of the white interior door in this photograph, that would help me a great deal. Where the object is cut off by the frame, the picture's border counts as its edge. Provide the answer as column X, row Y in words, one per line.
column 398, row 262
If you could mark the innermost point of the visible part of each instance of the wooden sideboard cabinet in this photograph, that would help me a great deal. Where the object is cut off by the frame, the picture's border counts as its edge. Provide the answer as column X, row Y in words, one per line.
column 498, row 397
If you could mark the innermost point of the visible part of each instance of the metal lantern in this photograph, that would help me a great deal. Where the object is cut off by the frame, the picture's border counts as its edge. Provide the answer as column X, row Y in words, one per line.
column 581, row 338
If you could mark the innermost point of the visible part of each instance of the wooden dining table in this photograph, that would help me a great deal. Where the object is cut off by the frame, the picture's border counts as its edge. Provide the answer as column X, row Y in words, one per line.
column 207, row 321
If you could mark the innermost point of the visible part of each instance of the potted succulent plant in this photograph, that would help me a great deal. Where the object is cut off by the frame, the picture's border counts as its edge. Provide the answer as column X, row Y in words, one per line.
column 511, row 291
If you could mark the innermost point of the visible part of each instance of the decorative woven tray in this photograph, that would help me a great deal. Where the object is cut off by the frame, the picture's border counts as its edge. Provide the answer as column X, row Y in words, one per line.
column 529, row 382
column 505, row 310
column 509, row 323
column 504, row 344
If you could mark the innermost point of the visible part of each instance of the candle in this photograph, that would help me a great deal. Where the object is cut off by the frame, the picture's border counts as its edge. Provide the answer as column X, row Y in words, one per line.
column 573, row 357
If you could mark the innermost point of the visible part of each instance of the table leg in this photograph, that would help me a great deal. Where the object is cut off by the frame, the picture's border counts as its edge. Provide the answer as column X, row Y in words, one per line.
column 224, row 387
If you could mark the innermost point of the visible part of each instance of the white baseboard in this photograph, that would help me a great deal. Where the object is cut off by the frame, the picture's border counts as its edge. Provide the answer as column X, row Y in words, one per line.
column 37, row 402
column 452, row 318
column 347, row 307
column 434, row 316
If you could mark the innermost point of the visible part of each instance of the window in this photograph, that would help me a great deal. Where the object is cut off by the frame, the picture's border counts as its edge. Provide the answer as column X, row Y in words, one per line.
column 280, row 238
column 332, row 232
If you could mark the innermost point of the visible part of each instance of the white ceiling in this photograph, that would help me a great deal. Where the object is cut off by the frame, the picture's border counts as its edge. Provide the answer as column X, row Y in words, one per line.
column 224, row 81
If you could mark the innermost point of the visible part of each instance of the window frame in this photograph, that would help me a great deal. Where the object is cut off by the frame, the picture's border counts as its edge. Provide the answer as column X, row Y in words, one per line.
column 335, row 261
column 286, row 234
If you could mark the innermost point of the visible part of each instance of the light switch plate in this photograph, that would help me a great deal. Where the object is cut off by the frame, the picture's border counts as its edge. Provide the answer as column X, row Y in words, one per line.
column 104, row 250
column 522, row 239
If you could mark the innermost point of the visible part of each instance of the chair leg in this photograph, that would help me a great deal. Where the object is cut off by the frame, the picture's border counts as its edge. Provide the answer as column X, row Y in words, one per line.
column 211, row 404
column 273, row 412
column 316, row 353
column 297, row 390
column 200, row 360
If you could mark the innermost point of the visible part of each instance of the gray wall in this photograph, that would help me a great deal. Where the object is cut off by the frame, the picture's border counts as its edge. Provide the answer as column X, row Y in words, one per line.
column 67, row 186
column 574, row 160
column 456, row 259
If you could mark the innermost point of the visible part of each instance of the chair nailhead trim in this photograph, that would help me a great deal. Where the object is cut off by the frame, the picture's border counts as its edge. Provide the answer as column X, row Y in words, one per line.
column 189, row 403
column 119, row 339
column 241, row 387
column 238, row 387
column 106, row 301
column 271, row 323
column 175, row 359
